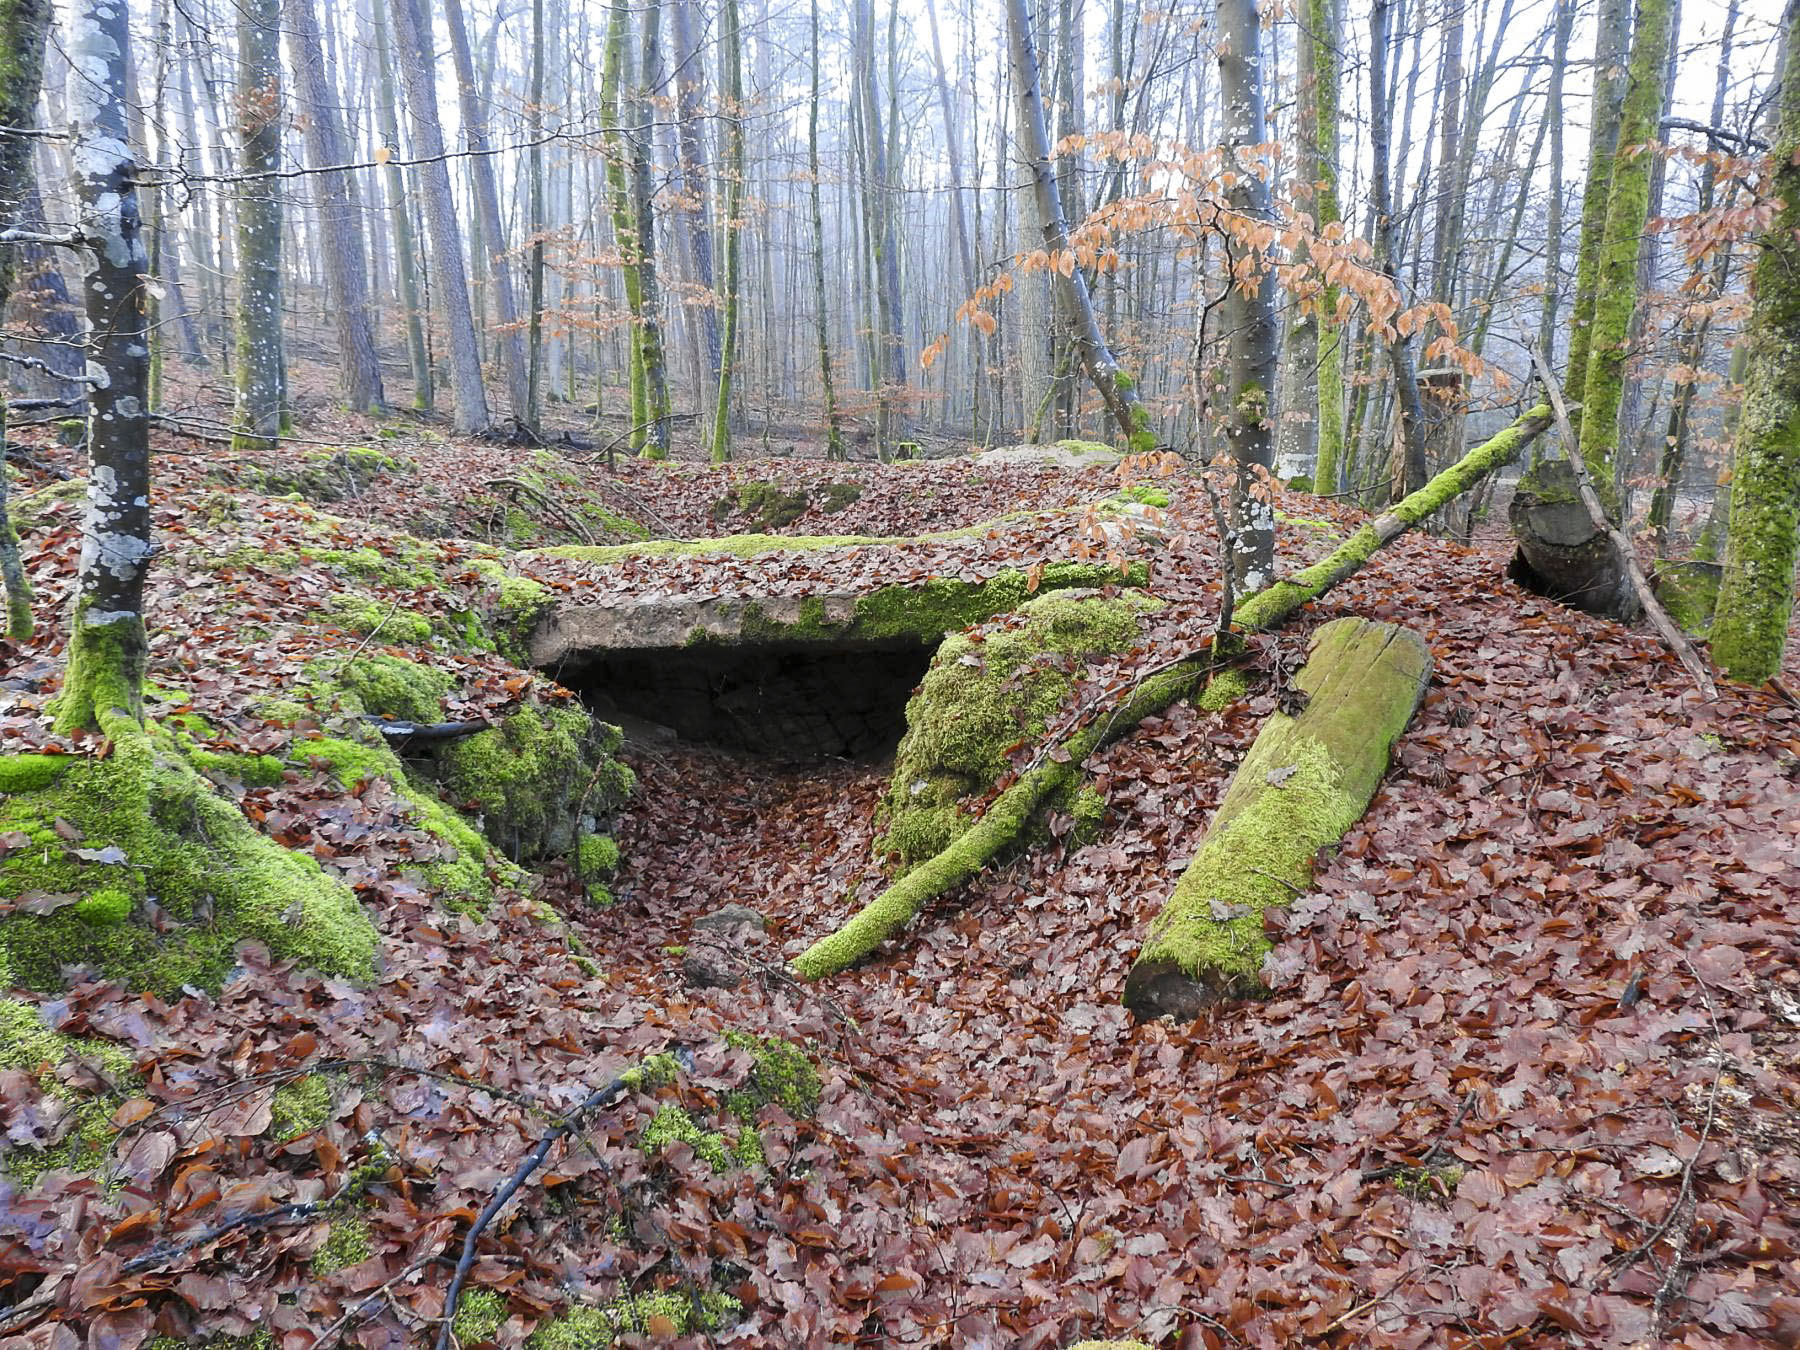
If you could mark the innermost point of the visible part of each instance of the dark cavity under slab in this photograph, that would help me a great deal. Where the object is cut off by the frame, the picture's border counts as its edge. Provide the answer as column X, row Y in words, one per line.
column 783, row 702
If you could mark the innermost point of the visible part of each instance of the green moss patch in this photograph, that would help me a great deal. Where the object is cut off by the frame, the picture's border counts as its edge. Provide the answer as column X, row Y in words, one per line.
column 85, row 1133
column 464, row 872
column 660, row 1315
column 349, row 1243
column 300, row 1107
column 149, row 877
column 985, row 693
column 479, row 1316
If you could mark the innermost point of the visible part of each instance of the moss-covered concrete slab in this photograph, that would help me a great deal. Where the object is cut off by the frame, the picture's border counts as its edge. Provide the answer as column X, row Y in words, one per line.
column 910, row 612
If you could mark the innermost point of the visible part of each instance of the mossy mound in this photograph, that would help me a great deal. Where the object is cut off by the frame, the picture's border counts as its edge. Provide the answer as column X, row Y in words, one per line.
column 529, row 777
column 539, row 786
column 764, row 506
column 324, row 475
column 79, row 1138
column 131, row 866
column 555, row 495
column 986, row 692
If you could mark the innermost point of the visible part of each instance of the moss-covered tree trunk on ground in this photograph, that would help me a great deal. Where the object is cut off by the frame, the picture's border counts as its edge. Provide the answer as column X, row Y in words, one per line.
column 258, row 414
column 1307, row 779
column 1627, row 212
column 1001, row 826
column 1756, row 593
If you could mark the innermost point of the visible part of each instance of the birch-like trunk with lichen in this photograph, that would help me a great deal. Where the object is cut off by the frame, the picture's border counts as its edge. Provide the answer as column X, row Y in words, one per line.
column 1249, row 311
column 107, row 642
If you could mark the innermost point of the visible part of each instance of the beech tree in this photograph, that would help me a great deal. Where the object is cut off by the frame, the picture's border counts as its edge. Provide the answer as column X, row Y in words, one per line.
column 347, row 281
column 413, row 57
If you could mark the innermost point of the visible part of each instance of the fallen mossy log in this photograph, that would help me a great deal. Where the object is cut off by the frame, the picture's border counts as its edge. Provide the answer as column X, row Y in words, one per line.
column 1005, row 819
column 1306, row 780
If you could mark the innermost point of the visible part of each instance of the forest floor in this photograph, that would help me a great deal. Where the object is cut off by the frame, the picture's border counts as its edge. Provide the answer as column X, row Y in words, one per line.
column 1529, row 1073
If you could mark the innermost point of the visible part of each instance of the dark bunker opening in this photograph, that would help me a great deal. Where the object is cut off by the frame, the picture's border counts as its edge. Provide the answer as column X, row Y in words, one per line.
column 780, row 701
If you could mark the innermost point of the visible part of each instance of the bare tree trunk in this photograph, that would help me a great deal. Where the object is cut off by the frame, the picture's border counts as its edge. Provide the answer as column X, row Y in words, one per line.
column 406, row 251
column 23, row 26
column 259, row 413
column 413, row 56
column 693, row 161
column 834, row 441
column 340, row 223
column 487, row 203
column 656, row 382
column 731, row 94
column 1117, row 389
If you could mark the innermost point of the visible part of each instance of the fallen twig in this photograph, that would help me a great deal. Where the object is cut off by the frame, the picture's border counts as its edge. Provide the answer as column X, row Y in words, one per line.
column 603, row 1096
column 520, row 488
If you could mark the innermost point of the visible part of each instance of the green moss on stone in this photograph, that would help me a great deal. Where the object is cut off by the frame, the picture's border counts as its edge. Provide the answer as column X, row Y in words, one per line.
column 478, row 1316
column 984, row 694
column 784, row 1074
column 30, row 773
column 671, row 1125
column 391, row 686
column 1142, row 494
column 526, row 777
column 104, row 908
column 364, row 615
